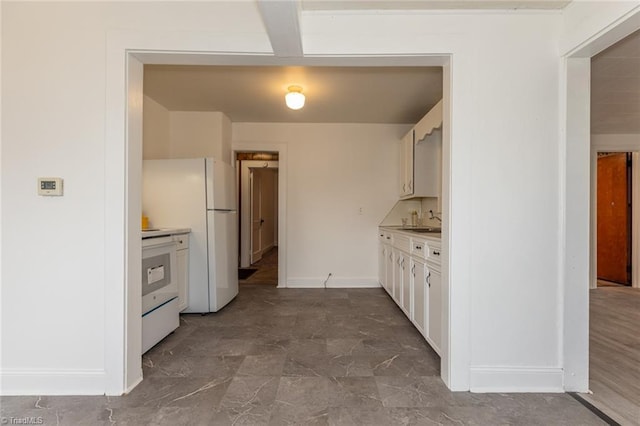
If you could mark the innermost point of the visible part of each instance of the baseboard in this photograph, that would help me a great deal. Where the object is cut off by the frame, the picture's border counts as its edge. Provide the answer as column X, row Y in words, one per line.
column 134, row 384
column 516, row 379
column 52, row 382
column 333, row 282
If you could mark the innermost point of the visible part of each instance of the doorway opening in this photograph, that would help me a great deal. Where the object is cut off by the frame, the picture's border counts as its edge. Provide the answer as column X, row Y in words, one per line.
column 258, row 195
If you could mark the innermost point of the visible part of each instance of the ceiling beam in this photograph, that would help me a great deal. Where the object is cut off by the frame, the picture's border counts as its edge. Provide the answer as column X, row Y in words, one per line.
column 282, row 21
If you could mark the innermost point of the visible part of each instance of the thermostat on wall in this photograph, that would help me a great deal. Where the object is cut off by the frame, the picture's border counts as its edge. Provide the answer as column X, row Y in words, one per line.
column 49, row 186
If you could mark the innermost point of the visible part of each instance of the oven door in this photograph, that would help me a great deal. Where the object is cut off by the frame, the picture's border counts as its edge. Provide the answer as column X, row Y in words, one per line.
column 159, row 274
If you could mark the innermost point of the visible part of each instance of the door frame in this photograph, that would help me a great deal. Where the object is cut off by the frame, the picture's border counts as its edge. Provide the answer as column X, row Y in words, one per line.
column 244, row 202
column 576, row 200
column 126, row 53
column 616, row 144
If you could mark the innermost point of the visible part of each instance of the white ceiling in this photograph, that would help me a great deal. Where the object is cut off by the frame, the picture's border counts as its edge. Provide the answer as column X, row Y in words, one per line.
column 399, row 95
column 431, row 4
column 370, row 94
column 615, row 88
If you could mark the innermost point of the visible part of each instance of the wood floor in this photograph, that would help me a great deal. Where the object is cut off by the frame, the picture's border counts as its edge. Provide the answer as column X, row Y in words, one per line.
column 614, row 353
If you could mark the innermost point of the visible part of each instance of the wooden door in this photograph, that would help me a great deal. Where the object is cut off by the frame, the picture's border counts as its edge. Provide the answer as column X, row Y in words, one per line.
column 614, row 218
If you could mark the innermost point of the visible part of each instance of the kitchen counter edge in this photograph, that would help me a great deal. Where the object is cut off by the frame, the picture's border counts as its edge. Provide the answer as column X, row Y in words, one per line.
column 436, row 237
column 164, row 232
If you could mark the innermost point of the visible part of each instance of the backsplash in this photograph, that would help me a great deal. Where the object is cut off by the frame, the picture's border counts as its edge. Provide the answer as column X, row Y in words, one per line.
column 403, row 209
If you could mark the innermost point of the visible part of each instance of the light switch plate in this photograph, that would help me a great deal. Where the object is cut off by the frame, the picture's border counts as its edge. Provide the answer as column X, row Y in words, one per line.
column 50, row 186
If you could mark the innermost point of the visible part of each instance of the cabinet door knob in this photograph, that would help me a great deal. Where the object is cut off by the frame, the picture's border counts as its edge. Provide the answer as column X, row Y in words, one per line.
column 436, row 253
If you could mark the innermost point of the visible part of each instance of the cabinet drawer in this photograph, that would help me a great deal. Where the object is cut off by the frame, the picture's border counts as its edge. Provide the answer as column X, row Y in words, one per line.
column 402, row 243
column 182, row 240
column 419, row 248
column 435, row 253
column 385, row 237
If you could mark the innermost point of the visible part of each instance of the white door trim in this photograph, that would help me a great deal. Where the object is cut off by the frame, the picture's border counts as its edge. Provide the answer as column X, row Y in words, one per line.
column 576, row 239
column 281, row 165
column 123, row 185
column 245, row 255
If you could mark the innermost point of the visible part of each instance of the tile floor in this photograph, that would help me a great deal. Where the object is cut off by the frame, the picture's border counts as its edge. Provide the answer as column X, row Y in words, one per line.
column 303, row 357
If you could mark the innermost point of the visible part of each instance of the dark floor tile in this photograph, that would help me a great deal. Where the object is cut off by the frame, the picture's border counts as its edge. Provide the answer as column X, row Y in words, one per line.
column 174, row 392
column 413, row 392
column 304, row 391
column 262, row 365
column 357, row 392
column 192, row 366
column 359, row 416
column 405, row 365
column 327, row 366
column 246, row 392
column 286, row 414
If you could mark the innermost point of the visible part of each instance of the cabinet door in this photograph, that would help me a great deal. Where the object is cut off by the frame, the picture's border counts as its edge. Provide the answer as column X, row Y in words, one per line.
column 389, row 271
column 182, row 257
column 406, row 284
column 406, row 165
column 434, row 283
column 419, row 283
column 382, row 265
column 397, row 276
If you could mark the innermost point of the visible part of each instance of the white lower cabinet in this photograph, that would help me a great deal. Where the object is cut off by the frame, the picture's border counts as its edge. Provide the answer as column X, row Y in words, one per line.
column 419, row 293
column 434, row 286
column 409, row 270
column 182, row 260
column 405, row 278
column 397, row 276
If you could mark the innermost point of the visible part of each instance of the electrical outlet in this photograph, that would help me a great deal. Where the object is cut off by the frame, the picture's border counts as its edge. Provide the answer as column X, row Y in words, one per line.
column 360, row 211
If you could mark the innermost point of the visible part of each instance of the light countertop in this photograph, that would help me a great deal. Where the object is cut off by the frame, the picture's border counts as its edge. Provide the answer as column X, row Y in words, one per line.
column 407, row 230
column 158, row 232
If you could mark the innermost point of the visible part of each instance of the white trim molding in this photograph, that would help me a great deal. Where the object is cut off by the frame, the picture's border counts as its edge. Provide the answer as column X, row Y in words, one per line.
column 52, row 382
column 281, row 149
column 318, row 282
column 485, row 379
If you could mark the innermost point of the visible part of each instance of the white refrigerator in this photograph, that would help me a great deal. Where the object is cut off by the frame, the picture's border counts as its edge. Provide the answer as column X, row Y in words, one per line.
column 199, row 194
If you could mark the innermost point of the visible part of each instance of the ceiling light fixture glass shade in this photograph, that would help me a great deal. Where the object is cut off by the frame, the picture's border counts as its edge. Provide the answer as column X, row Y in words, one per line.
column 294, row 98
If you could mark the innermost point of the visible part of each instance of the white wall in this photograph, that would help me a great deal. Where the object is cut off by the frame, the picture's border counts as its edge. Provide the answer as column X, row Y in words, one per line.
column 55, row 280
column 155, row 122
column 200, row 134
column 333, row 170
column 504, row 169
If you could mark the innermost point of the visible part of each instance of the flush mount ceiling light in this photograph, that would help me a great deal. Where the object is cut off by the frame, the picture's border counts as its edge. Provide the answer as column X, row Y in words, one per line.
column 294, row 98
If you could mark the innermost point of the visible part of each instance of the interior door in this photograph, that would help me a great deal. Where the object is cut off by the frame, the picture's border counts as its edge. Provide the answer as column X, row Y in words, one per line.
column 255, row 185
column 614, row 218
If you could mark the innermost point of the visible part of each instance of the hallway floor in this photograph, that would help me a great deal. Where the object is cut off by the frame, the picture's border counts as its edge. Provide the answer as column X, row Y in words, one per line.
column 299, row 357
column 267, row 270
column 614, row 353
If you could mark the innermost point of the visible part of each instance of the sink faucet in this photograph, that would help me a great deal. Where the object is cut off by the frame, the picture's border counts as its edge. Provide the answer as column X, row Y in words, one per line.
column 434, row 217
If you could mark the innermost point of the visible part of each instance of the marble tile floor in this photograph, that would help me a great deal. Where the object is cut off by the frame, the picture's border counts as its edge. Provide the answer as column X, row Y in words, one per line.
column 298, row 357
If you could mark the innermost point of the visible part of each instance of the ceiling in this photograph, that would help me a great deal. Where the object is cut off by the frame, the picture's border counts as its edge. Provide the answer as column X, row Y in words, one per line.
column 399, row 95
column 371, row 94
column 431, row 4
column 615, row 88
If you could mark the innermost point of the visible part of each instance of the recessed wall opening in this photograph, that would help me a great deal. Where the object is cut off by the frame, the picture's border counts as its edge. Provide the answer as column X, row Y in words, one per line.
column 191, row 126
column 258, row 253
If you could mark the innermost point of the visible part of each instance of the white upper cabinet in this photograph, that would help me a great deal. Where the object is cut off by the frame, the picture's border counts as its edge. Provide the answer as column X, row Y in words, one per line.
column 428, row 123
column 421, row 157
column 406, row 165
